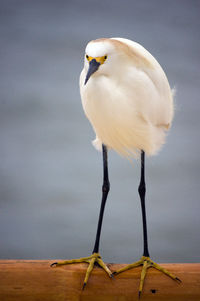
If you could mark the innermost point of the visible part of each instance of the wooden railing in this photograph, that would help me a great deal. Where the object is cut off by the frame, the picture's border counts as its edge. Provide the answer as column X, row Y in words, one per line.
column 35, row 280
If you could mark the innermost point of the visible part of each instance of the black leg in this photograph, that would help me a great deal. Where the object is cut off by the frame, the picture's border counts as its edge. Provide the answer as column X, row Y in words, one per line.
column 105, row 190
column 142, row 190
column 145, row 260
column 95, row 257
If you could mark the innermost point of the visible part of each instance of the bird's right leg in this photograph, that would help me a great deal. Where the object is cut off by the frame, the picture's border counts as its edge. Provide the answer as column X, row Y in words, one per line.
column 145, row 261
column 95, row 258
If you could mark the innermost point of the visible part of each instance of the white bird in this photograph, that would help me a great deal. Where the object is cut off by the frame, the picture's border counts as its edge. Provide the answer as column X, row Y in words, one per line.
column 127, row 98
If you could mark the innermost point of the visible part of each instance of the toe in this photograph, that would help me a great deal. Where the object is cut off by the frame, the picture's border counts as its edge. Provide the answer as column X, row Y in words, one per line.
column 143, row 274
column 158, row 267
column 128, row 267
column 104, row 266
column 88, row 272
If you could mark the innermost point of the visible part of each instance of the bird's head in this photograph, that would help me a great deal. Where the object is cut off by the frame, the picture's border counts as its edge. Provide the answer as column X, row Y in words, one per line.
column 99, row 56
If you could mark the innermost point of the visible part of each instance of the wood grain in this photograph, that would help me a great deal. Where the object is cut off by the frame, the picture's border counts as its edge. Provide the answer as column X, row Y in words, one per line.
column 35, row 280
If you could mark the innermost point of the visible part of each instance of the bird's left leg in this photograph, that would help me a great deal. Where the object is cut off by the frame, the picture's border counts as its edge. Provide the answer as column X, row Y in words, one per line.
column 95, row 258
column 145, row 260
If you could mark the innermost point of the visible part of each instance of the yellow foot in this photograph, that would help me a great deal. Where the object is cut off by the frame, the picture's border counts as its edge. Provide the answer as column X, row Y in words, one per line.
column 91, row 260
column 146, row 262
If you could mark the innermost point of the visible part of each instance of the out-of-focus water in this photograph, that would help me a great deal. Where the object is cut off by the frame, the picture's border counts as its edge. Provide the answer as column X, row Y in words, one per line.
column 51, row 175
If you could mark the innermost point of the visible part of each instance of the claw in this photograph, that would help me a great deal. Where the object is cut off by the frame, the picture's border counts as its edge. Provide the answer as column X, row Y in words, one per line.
column 179, row 280
column 55, row 263
column 84, row 285
column 139, row 294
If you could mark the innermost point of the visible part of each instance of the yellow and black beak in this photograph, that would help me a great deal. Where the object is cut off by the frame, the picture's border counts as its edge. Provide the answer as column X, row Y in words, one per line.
column 93, row 67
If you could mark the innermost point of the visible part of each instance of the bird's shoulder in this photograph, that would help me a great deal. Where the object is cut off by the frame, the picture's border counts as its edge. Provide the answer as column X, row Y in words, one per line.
column 139, row 55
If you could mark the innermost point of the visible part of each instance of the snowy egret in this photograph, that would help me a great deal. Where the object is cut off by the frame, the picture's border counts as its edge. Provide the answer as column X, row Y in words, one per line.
column 127, row 98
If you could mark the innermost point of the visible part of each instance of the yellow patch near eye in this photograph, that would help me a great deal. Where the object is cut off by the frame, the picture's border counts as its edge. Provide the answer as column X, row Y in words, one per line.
column 99, row 59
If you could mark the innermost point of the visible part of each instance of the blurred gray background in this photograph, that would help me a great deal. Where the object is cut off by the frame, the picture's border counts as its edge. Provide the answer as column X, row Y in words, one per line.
column 51, row 175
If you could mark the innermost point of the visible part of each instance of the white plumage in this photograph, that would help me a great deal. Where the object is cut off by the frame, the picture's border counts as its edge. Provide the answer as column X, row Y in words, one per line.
column 128, row 100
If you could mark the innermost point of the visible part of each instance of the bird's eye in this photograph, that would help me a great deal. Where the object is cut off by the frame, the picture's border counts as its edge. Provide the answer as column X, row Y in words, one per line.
column 87, row 57
column 105, row 57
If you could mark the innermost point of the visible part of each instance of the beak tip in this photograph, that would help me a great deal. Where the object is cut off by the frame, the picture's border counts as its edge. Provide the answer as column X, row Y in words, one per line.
column 93, row 67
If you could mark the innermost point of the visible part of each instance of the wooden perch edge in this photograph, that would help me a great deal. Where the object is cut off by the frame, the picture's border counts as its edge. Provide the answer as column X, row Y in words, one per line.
column 35, row 280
